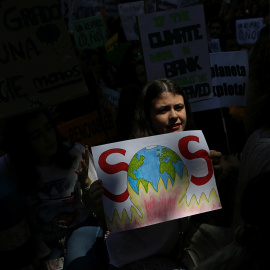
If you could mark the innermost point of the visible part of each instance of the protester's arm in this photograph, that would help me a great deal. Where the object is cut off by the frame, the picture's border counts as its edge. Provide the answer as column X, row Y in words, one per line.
column 82, row 171
column 91, row 190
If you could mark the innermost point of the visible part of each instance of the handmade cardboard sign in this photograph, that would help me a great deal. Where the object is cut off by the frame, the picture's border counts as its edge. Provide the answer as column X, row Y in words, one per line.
column 82, row 9
column 155, row 179
column 90, row 32
column 248, row 30
column 229, row 80
column 38, row 65
column 175, row 46
column 90, row 129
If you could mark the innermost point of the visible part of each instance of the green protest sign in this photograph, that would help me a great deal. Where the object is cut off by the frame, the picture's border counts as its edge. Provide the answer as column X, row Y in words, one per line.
column 90, row 32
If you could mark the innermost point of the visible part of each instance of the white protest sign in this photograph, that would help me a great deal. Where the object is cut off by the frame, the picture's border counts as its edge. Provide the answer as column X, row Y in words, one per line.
column 150, row 6
column 81, row 9
column 111, row 94
column 128, row 13
column 248, row 30
column 175, row 46
column 214, row 45
column 155, row 179
column 66, row 7
column 111, row 8
column 230, row 79
column 168, row 4
column 186, row 3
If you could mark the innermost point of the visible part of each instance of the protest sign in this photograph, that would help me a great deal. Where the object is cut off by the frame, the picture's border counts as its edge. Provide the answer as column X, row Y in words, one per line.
column 128, row 13
column 168, row 4
column 155, row 179
column 66, row 6
column 248, row 30
column 90, row 129
column 111, row 8
column 38, row 65
column 82, row 9
column 111, row 94
column 150, row 6
column 214, row 45
column 175, row 46
column 90, row 32
column 229, row 80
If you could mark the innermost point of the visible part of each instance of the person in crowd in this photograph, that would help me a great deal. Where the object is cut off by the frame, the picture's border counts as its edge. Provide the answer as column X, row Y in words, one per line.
column 45, row 169
column 216, row 27
column 258, row 84
column 256, row 155
column 133, row 74
column 247, row 249
column 248, row 225
column 162, row 107
column 94, row 60
column 127, row 71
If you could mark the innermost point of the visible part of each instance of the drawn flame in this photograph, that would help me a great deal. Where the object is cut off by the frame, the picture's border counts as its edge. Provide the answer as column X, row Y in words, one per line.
column 162, row 205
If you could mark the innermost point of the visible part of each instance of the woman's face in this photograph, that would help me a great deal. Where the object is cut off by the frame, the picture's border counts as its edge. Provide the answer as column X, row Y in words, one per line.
column 42, row 137
column 168, row 114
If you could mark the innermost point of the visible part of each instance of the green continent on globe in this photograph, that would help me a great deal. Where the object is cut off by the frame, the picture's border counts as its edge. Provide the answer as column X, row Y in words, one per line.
column 168, row 166
column 133, row 166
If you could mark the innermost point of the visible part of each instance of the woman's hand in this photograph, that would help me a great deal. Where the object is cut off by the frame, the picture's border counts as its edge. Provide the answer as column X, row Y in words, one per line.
column 215, row 156
column 94, row 194
column 82, row 171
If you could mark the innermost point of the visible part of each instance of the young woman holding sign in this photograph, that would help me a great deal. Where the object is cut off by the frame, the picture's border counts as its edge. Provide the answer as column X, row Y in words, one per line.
column 162, row 108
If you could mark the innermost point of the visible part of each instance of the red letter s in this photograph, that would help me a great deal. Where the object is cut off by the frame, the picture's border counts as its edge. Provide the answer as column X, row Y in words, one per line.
column 183, row 148
column 112, row 169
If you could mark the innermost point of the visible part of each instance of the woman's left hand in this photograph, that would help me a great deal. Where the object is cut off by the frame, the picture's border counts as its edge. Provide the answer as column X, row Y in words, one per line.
column 215, row 156
column 82, row 171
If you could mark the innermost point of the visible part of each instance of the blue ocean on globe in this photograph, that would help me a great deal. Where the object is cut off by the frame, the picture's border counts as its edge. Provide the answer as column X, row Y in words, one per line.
column 150, row 164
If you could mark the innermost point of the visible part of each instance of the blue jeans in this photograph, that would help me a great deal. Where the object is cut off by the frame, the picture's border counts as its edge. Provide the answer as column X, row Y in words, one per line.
column 86, row 249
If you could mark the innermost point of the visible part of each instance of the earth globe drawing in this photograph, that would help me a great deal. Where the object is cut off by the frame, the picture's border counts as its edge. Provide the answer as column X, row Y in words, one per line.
column 151, row 164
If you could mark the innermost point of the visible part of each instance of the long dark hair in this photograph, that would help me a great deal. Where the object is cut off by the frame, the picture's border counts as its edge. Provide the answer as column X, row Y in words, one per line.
column 22, row 159
column 150, row 92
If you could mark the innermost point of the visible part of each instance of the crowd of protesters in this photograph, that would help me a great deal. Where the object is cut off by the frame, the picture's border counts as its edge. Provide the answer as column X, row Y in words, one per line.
column 246, row 127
